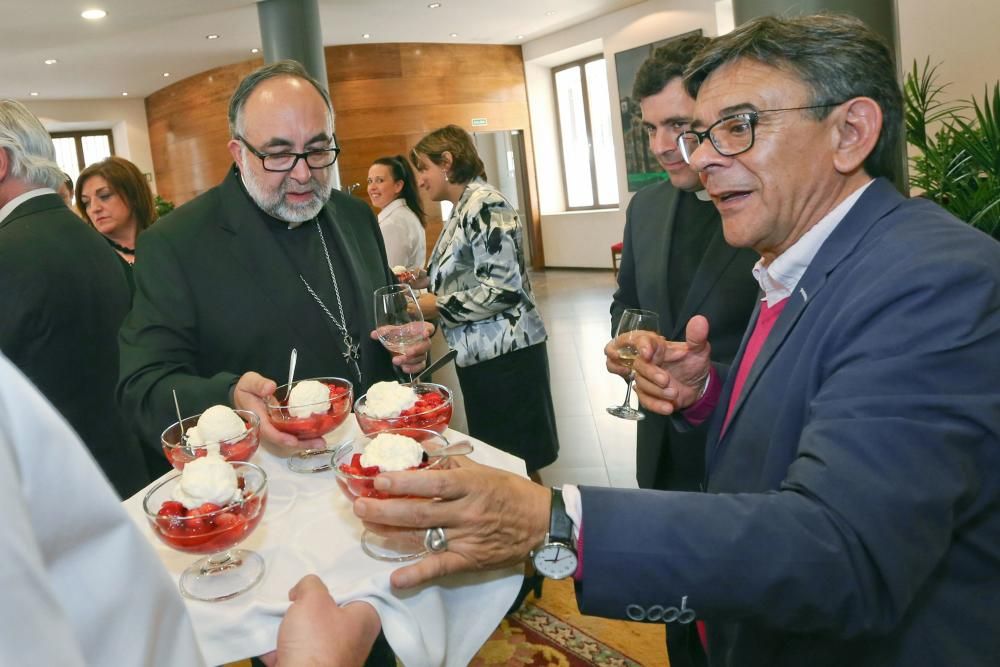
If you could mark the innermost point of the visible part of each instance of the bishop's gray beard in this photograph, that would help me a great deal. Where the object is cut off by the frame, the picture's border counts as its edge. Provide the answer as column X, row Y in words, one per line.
column 273, row 202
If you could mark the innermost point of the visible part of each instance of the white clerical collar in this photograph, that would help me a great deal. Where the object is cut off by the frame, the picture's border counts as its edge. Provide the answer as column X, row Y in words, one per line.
column 779, row 278
column 9, row 207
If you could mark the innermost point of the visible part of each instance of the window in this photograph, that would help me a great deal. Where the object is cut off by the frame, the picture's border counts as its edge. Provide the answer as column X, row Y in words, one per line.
column 76, row 150
column 588, row 153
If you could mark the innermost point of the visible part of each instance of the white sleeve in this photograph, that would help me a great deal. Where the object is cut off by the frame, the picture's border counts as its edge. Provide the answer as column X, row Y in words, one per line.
column 81, row 585
column 574, row 507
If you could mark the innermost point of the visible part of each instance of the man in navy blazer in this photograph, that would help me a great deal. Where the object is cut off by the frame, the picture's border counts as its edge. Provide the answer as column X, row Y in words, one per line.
column 853, row 513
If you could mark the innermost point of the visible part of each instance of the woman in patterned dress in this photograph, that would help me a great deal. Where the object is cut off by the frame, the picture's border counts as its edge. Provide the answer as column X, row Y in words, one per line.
column 480, row 293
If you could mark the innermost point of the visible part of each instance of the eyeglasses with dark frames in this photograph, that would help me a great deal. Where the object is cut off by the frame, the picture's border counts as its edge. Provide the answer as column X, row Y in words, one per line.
column 286, row 161
column 733, row 134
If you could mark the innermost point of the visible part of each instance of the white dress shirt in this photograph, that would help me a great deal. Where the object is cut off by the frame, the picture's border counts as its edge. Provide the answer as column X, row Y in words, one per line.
column 9, row 207
column 405, row 239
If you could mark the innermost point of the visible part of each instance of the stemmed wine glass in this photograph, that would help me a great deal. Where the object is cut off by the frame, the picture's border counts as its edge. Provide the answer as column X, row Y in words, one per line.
column 632, row 320
column 398, row 320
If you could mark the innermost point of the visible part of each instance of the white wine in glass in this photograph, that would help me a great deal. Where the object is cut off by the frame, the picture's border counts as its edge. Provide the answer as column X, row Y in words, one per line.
column 398, row 320
column 632, row 320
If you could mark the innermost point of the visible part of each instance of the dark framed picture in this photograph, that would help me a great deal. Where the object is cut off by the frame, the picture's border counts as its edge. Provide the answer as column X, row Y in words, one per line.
column 641, row 167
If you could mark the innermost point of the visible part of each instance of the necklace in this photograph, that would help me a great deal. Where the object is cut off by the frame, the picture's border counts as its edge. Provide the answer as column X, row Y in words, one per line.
column 351, row 351
column 120, row 248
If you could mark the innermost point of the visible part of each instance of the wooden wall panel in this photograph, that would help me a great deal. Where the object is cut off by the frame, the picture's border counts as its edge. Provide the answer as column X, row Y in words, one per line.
column 385, row 97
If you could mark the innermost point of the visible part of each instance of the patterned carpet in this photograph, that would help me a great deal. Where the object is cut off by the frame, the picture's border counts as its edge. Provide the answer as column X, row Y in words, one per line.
column 532, row 637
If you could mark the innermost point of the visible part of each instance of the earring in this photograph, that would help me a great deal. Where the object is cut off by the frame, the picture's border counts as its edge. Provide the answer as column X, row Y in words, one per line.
column 446, row 179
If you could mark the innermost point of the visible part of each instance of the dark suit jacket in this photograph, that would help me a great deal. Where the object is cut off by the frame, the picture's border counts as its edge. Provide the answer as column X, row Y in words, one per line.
column 853, row 513
column 64, row 295
column 722, row 288
column 216, row 297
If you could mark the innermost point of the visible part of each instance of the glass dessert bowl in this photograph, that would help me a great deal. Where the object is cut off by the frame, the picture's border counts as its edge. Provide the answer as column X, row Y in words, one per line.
column 357, row 463
column 211, row 528
column 429, row 410
column 184, row 441
column 309, row 409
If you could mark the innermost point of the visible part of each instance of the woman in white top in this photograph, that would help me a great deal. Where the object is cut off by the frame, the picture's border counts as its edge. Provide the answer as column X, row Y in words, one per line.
column 393, row 189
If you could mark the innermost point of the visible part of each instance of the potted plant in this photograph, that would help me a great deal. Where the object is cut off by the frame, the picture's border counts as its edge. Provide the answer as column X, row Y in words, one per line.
column 957, row 158
column 163, row 206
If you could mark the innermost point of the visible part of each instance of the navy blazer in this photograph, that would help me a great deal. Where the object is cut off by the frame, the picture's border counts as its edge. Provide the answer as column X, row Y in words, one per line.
column 854, row 513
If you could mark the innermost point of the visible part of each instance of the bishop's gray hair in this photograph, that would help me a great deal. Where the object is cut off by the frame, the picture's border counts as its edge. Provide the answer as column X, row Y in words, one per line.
column 260, row 75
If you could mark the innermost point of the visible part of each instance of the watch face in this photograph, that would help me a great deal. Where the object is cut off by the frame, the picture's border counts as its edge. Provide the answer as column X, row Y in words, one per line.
column 555, row 561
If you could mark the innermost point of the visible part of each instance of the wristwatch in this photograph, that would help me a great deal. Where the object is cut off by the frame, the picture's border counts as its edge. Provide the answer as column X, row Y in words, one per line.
column 556, row 558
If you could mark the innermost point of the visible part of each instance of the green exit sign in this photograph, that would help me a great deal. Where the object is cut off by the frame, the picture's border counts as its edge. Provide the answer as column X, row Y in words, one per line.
column 478, row 122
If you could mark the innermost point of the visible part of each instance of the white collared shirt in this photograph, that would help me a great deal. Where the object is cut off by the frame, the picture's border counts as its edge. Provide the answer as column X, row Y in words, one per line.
column 404, row 236
column 9, row 207
column 779, row 279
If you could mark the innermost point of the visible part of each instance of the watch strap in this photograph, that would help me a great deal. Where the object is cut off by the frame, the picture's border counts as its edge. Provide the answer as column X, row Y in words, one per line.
column 560, row 523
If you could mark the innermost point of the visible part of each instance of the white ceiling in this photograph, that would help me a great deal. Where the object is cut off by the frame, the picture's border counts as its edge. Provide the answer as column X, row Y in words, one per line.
column 139, row 40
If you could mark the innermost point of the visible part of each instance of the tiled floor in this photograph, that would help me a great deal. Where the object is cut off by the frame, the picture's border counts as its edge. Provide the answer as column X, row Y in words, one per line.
column 595, row 448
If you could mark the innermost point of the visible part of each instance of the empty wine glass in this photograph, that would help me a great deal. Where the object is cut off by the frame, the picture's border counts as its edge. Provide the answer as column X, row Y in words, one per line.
column 632, row 320
column 398, row 320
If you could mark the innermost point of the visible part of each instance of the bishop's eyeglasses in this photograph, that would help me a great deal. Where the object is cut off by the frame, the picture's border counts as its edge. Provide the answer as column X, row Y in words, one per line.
column 286, row 161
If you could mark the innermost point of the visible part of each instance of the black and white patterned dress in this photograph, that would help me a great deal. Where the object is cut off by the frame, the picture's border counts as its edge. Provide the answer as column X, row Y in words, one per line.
column 488, row 314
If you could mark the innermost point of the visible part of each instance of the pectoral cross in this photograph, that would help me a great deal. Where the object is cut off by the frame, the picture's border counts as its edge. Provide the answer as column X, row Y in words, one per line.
column 351, row 349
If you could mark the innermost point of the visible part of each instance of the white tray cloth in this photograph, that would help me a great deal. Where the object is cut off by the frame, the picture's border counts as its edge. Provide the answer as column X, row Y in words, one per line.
column 308, row 527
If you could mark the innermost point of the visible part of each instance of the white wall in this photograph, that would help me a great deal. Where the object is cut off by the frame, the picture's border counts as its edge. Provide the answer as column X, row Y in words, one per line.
column 125, row 118
column 583, row 239
column 961, row 35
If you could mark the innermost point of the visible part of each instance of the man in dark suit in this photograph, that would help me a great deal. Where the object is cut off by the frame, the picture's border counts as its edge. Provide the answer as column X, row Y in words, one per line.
column 63, row 296
column 676, row 263
column 271, row 259
column 854, row 450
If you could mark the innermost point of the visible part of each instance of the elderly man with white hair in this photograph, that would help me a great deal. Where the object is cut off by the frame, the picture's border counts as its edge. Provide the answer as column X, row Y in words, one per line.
column 63, row 296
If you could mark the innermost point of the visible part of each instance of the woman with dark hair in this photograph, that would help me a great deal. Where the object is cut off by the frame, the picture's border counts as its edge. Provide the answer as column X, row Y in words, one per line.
column 393, row 189
column 479, row 289
column 114, row 197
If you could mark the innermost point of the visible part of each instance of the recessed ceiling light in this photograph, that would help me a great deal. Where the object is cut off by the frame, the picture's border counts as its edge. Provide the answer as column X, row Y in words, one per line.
column 454, row 34
column 124, row 93
column 212, row 36
column 434, row 5
column 367, row 35
column 166, row 74
column 520, row 36
column 51, row 61
column 550, row 13
column 255, row 50
column 33, row 93
column 93, row 14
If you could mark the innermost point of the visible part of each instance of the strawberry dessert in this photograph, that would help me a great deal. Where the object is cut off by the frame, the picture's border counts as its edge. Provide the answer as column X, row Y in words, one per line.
column 211, row 506
column 404, row 275
column 312, row 408
column 232, row 434
column 390, row 405
column 359, row 461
